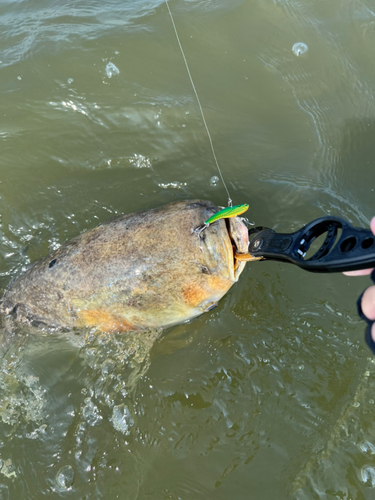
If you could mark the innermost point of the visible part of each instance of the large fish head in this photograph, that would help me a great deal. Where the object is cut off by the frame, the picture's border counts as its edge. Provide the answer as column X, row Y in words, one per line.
column 217, row 268
column 221, row 241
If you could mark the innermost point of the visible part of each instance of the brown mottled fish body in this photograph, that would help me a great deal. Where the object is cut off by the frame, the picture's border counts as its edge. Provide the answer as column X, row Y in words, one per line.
column 142, row 270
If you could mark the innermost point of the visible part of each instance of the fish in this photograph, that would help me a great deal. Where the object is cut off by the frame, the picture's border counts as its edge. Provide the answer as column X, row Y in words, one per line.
column 138, row 271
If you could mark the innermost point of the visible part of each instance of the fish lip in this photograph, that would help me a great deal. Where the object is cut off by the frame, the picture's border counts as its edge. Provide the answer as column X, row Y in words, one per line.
column 239, row 238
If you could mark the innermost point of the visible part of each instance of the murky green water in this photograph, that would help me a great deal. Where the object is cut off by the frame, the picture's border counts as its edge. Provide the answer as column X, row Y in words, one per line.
column 269, row 396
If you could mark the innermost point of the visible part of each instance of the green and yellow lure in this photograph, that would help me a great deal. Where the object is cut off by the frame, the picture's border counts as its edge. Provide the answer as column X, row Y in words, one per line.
column 226, row 213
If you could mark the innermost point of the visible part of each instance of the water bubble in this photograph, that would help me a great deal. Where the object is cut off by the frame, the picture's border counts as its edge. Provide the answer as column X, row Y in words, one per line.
column 65, row 477
column 111, row 70
column 300, row 48
column 368, row 447
column 70, row 80
column 368, row 475
column 121, row 419
column 214, row 180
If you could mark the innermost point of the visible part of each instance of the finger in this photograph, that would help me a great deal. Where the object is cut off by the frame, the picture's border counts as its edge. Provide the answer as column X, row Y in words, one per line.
column 373, row 332
column 362, row 272
column 368, row 303
column 372, row 225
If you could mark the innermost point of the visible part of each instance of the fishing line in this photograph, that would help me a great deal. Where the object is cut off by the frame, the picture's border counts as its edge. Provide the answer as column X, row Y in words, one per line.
column 199, row 104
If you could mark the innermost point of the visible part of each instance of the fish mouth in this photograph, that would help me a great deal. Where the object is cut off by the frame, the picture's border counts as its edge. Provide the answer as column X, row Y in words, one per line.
column 239, row 238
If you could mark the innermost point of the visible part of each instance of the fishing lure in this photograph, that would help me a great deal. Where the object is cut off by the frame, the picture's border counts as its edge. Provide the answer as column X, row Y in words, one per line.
column 225, row 213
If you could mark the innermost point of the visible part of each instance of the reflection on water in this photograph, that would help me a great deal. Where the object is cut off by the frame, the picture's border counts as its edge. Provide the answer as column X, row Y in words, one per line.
column 271, row 394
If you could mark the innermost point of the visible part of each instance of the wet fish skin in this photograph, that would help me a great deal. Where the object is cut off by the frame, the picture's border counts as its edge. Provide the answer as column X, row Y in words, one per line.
column 142, row 270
